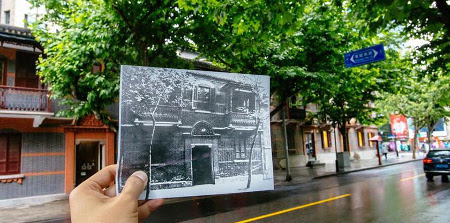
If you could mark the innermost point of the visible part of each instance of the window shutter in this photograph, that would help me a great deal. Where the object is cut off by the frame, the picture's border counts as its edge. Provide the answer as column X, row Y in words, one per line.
column 14, row 153
column 3, row 153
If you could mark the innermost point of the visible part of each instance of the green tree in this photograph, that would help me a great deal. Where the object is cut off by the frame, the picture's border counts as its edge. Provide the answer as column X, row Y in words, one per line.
column 304, row 57
column 82, row 34
column 421, row 99
column 416, row 19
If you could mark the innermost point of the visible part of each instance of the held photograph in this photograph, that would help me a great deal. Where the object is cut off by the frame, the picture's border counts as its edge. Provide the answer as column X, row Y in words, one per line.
column 194, row 132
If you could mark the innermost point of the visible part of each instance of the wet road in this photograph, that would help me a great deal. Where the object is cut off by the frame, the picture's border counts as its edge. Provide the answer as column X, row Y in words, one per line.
column 397, row 193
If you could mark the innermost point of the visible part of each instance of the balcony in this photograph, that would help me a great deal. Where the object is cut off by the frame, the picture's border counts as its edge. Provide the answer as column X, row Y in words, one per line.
column 24, row 99
column 296, row 113
column 241, row 119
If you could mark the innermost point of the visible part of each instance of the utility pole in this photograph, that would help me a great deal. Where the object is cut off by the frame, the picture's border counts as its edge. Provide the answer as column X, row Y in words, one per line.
column 288, row 167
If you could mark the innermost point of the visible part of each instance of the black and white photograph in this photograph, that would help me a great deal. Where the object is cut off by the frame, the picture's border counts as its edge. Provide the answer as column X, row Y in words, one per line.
column 194, row 132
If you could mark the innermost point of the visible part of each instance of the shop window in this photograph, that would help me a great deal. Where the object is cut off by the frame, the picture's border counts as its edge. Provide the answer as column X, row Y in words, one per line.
column 361, row 140
column 10, row 146
column 243, row 101
column 326, row 139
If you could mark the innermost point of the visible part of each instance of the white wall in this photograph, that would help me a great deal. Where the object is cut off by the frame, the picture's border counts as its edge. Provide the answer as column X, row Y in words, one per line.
column 18, row 9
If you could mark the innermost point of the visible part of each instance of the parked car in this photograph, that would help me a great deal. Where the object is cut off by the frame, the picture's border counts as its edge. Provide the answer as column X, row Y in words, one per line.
column 437, row 162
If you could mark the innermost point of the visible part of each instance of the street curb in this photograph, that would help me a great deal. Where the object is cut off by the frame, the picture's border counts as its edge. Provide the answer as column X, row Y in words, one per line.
column 363, row 169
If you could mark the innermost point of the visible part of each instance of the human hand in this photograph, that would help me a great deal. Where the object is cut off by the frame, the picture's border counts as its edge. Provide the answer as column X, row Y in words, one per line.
column 95, row 199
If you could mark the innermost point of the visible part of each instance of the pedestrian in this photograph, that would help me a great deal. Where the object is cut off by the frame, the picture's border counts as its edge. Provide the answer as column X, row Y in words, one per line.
column 385, row 152
column 424, row 150
column 95, row 199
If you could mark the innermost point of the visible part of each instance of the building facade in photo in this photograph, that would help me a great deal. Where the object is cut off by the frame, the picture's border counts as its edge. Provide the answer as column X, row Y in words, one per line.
column 196, row 133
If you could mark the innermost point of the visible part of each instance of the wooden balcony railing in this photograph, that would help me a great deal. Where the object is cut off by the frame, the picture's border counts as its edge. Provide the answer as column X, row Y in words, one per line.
column 24, row 99
column 241, row 119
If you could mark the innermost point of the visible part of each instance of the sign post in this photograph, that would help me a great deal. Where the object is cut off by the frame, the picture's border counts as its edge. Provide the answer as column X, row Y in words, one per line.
column 364, row 56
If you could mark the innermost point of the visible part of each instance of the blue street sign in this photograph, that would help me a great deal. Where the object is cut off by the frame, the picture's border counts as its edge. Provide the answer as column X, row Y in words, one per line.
column 364, row 56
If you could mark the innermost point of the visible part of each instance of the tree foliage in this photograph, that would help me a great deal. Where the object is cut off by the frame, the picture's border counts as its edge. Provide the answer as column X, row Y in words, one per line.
column 421, row 98
column 417, row 19
column 82, row 34
column 304, row 56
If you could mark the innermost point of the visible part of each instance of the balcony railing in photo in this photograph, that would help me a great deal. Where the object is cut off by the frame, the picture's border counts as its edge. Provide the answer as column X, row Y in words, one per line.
column 24, row 99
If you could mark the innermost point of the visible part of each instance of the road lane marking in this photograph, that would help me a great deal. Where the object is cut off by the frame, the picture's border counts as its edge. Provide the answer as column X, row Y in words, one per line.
column 410, row 178
column 293, row 209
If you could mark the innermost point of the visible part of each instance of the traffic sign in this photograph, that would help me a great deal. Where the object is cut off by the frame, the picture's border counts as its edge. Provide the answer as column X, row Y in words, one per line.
column 364, row 56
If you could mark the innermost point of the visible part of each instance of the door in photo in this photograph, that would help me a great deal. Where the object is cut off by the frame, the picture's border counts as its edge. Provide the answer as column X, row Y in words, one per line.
column 202, row 165
column 88, row 160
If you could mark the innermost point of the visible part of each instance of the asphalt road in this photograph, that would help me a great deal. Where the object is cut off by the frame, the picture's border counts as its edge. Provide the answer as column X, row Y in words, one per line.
column 397, row 193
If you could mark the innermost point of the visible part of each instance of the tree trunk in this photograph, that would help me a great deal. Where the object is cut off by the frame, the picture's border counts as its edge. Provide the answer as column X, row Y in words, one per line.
column 250, row 156
column 150, row 150
column 344, row 133
column 430, row 143
column 288, row 167
column 415, row 144
column 429, row 132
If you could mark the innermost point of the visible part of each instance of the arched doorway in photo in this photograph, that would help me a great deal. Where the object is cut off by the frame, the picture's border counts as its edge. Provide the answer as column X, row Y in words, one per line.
column 202, row 169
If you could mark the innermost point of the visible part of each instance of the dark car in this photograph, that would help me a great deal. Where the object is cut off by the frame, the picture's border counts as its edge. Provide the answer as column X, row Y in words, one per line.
column 437, row 162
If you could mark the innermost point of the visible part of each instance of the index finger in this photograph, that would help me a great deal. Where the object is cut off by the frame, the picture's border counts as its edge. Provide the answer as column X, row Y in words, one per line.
column 104, row 177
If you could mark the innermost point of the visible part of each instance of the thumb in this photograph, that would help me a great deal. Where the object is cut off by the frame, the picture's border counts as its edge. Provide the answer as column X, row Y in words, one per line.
column 135, row 185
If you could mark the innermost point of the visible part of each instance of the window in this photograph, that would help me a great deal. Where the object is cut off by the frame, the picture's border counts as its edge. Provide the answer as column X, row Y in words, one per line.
column 361, row 140
column 290, row 130
column 240, row 148
column 202, row 98
column 326, row 139
column 187, row 93
column 370, row 134
column 243, row 101
column 25, row 21
column 97, row 68
column 203, row 94
column 7, row 17
column 10, row 144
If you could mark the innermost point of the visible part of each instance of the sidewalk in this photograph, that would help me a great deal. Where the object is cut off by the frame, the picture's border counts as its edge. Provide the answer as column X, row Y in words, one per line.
column 58, row 210
column 305, row 174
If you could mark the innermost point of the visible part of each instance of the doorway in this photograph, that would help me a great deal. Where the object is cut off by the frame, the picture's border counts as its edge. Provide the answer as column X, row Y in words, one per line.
column 88, row 160
column 310, row 145
column 202, row 165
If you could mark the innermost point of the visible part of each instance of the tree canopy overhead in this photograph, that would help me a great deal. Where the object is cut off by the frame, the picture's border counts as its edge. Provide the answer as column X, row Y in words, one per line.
column 300, row 44
column 416, row 19
column 83, row 34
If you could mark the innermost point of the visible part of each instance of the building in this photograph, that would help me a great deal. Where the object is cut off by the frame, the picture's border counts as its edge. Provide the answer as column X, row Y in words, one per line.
column 40, row 154
column 18, row 13
column 199, row 132
column 309, row 140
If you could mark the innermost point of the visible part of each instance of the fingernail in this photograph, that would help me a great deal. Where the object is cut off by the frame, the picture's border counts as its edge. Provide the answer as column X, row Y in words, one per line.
column 142, row 175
